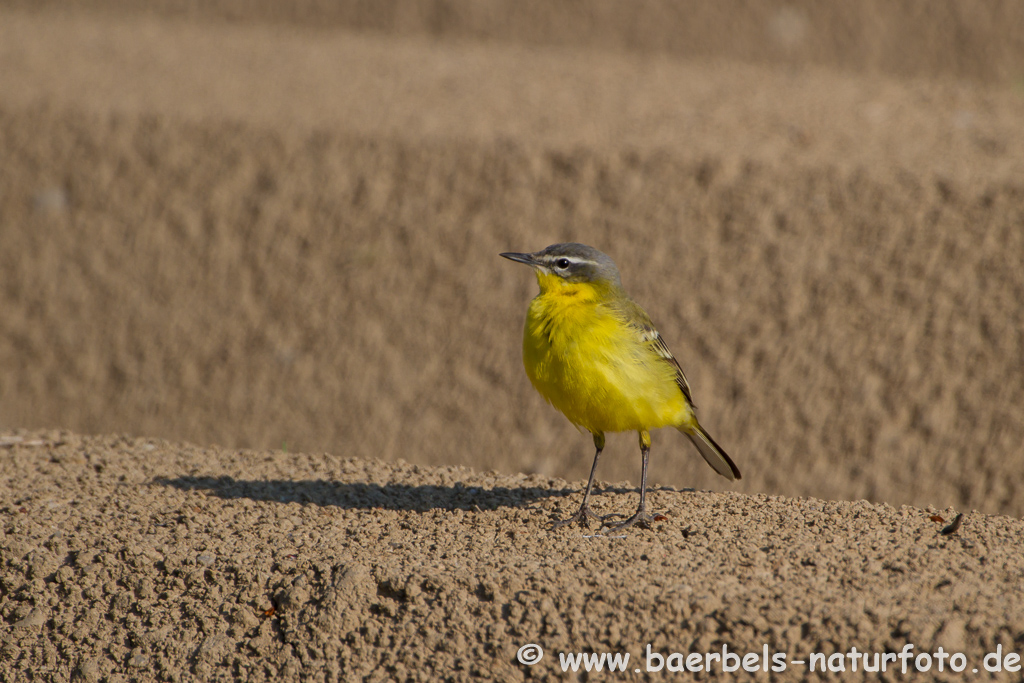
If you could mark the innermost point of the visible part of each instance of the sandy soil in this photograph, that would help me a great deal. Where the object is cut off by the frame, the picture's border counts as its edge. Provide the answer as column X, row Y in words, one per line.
column 243, row 227
column 137, row 559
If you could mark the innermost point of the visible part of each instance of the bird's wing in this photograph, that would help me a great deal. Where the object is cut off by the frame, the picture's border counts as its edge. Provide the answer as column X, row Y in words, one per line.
column 649, row 335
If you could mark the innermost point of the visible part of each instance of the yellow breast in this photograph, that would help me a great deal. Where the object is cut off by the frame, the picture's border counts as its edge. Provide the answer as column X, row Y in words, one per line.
column 583, row 357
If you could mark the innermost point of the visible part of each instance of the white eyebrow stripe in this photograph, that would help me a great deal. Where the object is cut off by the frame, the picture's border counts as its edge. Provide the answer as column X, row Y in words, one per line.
column 575, row 260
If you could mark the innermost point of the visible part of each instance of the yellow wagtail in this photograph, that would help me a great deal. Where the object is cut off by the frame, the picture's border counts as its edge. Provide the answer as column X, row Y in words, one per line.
column 594, row 354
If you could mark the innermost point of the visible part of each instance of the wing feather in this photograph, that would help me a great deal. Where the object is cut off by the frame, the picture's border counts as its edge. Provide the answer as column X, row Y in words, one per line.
column 637, row 318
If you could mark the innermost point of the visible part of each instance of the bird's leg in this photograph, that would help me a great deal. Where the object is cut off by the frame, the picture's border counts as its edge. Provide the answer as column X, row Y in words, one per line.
column 640, row 517
column 585, row 514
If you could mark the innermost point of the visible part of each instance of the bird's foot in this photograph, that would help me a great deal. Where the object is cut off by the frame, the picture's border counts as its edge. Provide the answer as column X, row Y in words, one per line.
column 583, row 517
column 640, row 519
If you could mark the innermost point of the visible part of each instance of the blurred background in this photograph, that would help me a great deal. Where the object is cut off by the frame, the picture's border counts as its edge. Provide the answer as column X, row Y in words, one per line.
column 275, row 225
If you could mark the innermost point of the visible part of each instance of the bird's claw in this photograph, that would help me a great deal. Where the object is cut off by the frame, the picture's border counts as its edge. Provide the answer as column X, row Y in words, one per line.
column 583, row 517
column 640, row 519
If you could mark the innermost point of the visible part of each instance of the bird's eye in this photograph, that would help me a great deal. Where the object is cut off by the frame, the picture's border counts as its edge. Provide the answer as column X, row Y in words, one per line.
column 562, row 263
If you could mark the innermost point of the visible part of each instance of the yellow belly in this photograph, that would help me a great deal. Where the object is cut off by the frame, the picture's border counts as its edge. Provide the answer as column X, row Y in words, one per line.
column 590, row 365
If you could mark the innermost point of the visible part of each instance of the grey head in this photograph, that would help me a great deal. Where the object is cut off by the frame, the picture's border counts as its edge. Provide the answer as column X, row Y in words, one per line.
column 571, row 261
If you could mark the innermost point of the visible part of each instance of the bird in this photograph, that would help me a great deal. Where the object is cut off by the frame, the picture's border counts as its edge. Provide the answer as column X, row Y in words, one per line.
column 594, row 354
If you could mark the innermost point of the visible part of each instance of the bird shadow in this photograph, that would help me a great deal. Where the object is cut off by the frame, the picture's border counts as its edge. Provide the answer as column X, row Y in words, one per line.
column 366, row 496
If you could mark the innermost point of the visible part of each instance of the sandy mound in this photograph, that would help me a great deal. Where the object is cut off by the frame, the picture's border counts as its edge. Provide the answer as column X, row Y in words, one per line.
column 144, row 560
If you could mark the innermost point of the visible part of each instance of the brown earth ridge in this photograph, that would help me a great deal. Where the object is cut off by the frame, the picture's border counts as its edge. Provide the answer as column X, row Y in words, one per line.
column 138, row 559
column 272, row 230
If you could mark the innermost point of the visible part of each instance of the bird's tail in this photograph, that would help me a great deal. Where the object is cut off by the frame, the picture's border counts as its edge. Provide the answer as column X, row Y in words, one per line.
column 712, row 452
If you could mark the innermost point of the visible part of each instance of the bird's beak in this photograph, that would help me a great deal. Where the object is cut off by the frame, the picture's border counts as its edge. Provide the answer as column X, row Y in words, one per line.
column 520, row 258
